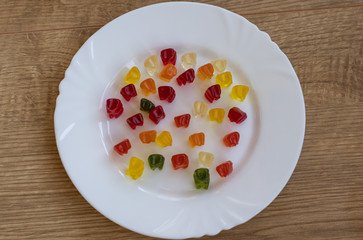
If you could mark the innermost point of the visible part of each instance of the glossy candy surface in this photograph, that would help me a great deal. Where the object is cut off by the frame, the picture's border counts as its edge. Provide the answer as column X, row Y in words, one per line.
column 217, row 114
column 200, row 108
column 168, row 56
column 148, row 136
column 156, row 161
column 164, row 139
column 128, row 92
column 136, row 120
column 136, row 168
column 201, row 178
column 186, row 77
column 236, row 115
column 166, row 93
column 148, row 86
column 219, row 65
column 114, row 107
column 157, row 114
column 225, row 169
column 206, row 71
column 180, row 161
column 146, row 105
column 224, row 79
column 182, row 120
column 189, row 60
column 231, row 139
column 213, row 93
column 239, row 92
column 206, row 159
column 168, row 72
column 151, row 64
column 132, row 76
column 196, row 139
column 122, row 147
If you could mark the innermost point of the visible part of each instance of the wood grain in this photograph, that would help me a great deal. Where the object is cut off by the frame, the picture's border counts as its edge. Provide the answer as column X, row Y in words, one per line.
column 324, row 42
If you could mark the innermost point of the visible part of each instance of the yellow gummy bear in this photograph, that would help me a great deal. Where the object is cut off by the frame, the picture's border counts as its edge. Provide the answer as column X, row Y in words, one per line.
column 224, row 79
column 200, row 108
column 136, row 168
column 216, row 114
column 151, row 65
column 206, row 159
column 239, row 92
column 164, row 139
column 133, row 76
column 219, row 65
column 189, row 60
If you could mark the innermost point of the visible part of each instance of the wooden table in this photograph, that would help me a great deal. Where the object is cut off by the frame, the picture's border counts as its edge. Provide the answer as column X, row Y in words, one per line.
column 323, row 40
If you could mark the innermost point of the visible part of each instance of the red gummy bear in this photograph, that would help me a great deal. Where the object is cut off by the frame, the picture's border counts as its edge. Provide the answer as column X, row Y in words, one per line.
column 231, row 139
column 168, row 56
column 166, row 93
column 180, row 161
column 114, row 107
column 237, row 115
column 182, row 120
column 128, row 92
column 136, row 120
column 225, row 169
column 187, row 76
column 156, row 114
column 213, row 93
column 122, row 147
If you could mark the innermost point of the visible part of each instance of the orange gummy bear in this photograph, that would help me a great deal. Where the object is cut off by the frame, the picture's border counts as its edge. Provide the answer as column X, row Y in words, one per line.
column 148, row 86
column 206, row 71
column 168, row 72
column 147, row 136
column 196, row 139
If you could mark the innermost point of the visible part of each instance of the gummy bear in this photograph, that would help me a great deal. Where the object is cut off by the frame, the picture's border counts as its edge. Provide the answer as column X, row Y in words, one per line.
column 219, row 65
column 146, row 105
column 231, row 139
column 206, row 159
column 114, row 107
column 213, row 93
column 236, row 115
column 132, row 76
column 206, row 71
column 189, row 60
column 166, row 93
column 156, row 161
column 168, row 56
column 148, row 86
column 180, row 161
column 201, row 178
column 157, row 114
column 151, row 65
column 239, row 92
column 196, row 139
column 136, row 120
column 182, row 120
column 122, row 147
column 164, row 139
column 224, row 79
column 168, row 72
column 225, row 169
column 216, row 114
column 136, row 168
column 128, row 92
column 187, row 76
column 200, row 108
column 147, row 136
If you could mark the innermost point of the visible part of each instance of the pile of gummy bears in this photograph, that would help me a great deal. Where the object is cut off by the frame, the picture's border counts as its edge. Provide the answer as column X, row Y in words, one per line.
column 156, row 113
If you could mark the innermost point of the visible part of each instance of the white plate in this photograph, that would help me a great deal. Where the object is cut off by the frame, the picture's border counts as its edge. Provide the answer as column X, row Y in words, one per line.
column 165, row 204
